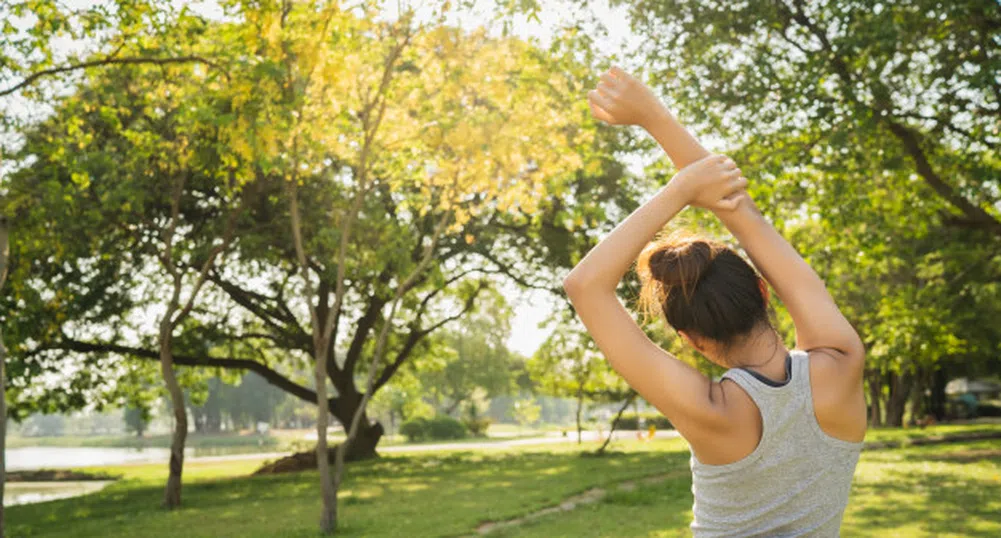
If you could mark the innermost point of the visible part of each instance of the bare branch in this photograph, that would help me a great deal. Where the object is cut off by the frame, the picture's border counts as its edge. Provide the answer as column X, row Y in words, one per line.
column 272, row 376
column 30, row 79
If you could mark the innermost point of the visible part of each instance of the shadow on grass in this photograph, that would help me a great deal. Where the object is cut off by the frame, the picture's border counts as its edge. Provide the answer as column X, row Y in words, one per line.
column 653, row 510
column 919, row 500
column 397, row 495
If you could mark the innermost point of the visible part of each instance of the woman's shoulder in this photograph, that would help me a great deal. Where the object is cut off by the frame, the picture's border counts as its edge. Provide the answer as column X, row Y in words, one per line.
column 838, row 398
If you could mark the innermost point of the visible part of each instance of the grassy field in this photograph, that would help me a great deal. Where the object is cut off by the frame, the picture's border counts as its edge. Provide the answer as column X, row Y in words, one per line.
column 937, row 490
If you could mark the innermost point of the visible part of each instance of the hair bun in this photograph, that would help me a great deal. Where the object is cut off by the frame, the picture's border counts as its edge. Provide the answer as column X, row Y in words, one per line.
column 680, row 264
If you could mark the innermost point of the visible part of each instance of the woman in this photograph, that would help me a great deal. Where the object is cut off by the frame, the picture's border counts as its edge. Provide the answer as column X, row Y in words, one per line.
column 776, row 439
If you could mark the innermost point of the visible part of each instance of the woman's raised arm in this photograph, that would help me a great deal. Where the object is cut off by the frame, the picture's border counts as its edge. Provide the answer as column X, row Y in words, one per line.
column 819, row 323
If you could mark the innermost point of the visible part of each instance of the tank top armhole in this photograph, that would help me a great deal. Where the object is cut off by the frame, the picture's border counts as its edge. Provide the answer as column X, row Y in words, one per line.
column 751, row 386
column 801, row 360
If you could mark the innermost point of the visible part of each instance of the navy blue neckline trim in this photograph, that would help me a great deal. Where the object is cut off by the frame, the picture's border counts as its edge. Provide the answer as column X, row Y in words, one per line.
column 772, row 383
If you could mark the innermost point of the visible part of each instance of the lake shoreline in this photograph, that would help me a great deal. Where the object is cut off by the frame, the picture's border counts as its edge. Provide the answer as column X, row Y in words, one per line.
column 57, row 475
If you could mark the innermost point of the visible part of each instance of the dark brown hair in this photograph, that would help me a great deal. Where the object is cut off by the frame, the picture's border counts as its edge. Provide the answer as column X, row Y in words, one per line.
column 702, row 287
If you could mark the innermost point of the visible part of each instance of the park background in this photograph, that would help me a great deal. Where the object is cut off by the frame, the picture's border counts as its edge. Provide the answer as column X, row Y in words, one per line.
column 220, row 213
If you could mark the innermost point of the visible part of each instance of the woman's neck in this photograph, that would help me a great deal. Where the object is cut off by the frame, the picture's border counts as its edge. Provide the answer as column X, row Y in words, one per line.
column 763, row 352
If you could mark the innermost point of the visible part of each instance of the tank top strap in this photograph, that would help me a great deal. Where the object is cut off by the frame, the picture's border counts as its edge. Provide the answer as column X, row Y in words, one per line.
column 800, row 370
column 769, row 395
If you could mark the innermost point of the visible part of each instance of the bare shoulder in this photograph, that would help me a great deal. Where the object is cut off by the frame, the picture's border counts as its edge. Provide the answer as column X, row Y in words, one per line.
column 838, row 396
column 738, row 431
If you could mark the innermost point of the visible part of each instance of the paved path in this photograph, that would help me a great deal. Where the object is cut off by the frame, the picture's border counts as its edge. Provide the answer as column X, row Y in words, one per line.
column 571, row 437
column 550, row 438
column 162, row 455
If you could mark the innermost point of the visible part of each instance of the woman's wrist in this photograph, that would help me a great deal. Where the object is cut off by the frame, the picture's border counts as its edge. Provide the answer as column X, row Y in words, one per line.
column 656, row 117
column 680, row 188
column 744, row 210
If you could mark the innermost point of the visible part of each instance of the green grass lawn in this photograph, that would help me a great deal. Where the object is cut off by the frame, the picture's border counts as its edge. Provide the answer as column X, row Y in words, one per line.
column 937, row 490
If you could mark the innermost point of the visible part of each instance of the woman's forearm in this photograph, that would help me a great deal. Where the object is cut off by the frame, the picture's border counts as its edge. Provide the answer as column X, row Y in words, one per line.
column 818, row 321
column 604, row 266
column 680, row 145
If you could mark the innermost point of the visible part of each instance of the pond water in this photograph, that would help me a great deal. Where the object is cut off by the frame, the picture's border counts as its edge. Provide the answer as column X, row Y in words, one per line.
column 36, row 492
column 49, row 457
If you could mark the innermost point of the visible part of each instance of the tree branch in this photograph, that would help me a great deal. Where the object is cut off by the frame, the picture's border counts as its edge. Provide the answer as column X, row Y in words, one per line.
column 109, row 61
column 270, row 375
column 415, row 336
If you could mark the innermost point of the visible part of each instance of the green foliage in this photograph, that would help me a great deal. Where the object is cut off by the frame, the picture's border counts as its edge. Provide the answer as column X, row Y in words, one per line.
column 137, row 419
column 438, row 428
column 526, row 411
column 870, row 139
column 471, row 357
column 293, row 97
column 569, row 365
column 477, row 426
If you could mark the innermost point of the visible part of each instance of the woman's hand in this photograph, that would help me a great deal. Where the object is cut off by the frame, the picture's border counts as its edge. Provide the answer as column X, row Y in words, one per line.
column 622, row 100
column 713, row 182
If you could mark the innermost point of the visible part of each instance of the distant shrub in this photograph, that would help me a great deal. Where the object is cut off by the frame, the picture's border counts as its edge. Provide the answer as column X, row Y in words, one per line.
column 433, row 429
column 988, row 410
column 631, row 421
column 446, row 427
column 477, row 426
column 415, row 430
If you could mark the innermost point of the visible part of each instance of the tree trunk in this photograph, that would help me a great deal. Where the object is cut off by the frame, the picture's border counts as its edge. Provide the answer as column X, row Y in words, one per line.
column 900, row 390
column 198, row 417
column 937, row 403
column 580, row 405
column 172, row 494
column 366, row 440
column 328, row 493
column 917, row 403
column 615, row 423
column 875, row 397
column 368, row 435
column 4, row 251
column 450, row 410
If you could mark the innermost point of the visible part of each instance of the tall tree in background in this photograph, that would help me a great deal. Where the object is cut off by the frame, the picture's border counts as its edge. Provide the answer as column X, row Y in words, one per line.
column 569, row 365
column 4, row 253
column 501, row 115
column 879, row 123
column 471, row 357
column 425, row 127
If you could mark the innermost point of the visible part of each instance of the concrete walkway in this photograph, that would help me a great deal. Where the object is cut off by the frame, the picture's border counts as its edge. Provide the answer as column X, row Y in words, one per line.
column 550, row 438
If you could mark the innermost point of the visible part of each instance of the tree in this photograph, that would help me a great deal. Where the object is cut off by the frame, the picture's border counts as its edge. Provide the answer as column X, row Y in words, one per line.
column 471, row 356
column 4, row 253
column 27, row 58
column 569, row 365
column 872, row 135
column 526, row 411
column 137, row 419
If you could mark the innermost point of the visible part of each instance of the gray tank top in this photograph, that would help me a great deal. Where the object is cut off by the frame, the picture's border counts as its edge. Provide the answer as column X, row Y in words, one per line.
column 795, row 483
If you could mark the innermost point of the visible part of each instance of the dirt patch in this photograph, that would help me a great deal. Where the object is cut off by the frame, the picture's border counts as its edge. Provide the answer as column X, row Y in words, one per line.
column 965, row 456
column 56, row 475
column 590, row 496
column 300, row 461
column 934, row 440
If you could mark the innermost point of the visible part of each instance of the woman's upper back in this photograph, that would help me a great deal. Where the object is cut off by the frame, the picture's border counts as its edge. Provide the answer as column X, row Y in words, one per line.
column 794, row 480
